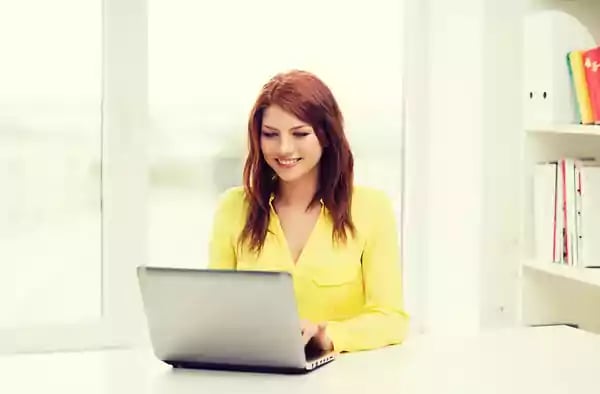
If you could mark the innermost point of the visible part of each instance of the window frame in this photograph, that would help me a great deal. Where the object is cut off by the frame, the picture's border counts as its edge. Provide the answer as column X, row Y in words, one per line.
column 123, row 193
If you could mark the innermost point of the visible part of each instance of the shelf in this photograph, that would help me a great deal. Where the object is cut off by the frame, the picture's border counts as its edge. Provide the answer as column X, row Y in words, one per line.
column 590, row 276
column 576, row 129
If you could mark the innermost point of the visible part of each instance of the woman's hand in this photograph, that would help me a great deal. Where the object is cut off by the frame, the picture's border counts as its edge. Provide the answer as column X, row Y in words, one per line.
column 318, row 332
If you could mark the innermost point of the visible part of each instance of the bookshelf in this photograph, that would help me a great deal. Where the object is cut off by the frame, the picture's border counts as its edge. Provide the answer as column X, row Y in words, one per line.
column 568, row 129
column 585, row 276
column 553, row 293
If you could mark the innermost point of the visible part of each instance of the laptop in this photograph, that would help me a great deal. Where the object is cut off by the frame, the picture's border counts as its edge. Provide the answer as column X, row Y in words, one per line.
column 226, row 320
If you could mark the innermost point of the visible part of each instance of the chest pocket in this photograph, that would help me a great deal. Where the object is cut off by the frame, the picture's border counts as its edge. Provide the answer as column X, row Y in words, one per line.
column 331, row 291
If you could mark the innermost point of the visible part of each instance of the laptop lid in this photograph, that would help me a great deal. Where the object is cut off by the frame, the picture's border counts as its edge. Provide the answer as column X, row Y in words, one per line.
column 222, row 317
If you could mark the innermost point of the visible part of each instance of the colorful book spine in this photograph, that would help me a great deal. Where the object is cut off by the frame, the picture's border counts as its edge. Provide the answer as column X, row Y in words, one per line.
column 591, row 62
column 580, row 86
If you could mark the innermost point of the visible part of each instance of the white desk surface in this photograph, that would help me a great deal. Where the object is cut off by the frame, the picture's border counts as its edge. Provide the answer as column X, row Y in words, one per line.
column 526, row 360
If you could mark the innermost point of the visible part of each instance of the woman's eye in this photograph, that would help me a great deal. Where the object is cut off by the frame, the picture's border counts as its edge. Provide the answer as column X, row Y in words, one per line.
column 301, row 134
column 268, row 134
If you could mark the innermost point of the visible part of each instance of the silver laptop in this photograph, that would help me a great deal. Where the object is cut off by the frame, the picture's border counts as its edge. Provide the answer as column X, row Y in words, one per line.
column 223, row 319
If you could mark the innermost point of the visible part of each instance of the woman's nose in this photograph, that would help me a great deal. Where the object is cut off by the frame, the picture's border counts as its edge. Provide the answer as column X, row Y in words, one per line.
column 286, row 146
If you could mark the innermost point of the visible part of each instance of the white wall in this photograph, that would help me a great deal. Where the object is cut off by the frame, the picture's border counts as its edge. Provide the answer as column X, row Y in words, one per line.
column 416, row 159
column 465, row 127
column 501, row 165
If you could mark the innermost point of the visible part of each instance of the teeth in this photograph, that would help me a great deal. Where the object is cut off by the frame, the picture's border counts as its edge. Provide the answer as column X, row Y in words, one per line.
column 288, row 161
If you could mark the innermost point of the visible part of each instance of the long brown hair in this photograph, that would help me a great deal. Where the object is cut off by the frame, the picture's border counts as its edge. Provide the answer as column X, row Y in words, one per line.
column 310, row 100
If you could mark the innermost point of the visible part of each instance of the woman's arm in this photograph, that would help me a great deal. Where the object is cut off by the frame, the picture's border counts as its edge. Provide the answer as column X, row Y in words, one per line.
column 383, row 320
column 222, row 243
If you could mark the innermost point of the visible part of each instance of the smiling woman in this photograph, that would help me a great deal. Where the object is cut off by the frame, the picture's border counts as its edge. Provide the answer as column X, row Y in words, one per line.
column 309, row 119
column 300, row 212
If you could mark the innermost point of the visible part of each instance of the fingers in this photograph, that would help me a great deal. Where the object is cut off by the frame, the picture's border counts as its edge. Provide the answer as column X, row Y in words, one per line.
column 317, row 331
column 309, row 330
column 306, row 336
column 324, row 340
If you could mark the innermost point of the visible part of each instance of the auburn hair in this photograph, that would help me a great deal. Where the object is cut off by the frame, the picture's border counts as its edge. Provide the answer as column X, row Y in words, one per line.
column 310, row 100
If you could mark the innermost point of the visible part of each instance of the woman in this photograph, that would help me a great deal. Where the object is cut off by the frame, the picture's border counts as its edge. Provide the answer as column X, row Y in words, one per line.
column 299, row 211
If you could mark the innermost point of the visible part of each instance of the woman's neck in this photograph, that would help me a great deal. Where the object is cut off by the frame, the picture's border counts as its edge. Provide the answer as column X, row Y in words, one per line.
column 299, row 192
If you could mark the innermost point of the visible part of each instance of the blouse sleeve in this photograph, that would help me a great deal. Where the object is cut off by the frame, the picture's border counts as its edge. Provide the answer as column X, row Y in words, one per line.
column 222, row 239
column 383, row 320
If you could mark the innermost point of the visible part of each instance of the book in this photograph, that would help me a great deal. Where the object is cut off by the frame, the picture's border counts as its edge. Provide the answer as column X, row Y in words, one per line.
column 578, row 216
column 580, row 87
column 590, row 215
column 567, row 170
column 591, row 62
column 566, row 212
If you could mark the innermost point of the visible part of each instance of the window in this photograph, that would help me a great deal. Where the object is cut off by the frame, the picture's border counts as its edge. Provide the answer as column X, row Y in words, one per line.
column 50, row 144
column 71, row 231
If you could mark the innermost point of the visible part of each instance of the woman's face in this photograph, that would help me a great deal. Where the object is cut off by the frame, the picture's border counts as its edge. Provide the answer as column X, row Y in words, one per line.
column 290, row 146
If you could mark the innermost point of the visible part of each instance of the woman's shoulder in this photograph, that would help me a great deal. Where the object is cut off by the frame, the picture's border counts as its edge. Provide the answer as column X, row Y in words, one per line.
column 372, row 210
column 233, row 196
column 232, row 202
column 369, row 198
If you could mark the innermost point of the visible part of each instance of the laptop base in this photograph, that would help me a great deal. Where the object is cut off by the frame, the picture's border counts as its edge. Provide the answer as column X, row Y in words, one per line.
column 240, row 368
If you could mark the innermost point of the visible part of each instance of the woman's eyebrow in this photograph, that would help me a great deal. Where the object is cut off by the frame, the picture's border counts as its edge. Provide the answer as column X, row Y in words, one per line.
column 266, row 126
column 299, row 127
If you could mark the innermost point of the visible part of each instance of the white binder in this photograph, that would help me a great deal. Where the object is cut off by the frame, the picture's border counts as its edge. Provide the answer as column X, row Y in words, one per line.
column 548, row 96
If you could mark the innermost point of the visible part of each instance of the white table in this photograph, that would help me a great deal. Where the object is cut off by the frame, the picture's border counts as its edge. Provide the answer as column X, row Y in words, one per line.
column 527, row 360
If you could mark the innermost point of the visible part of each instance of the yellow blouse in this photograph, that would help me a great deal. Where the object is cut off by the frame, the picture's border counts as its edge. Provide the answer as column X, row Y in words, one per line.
column 356, row 287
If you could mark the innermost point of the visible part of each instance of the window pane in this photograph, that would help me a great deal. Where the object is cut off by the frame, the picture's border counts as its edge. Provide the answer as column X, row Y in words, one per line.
column 207, row 62
column 50, row 147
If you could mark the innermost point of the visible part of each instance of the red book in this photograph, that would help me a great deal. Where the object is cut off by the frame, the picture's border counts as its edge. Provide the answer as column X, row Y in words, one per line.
column 591, row 62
